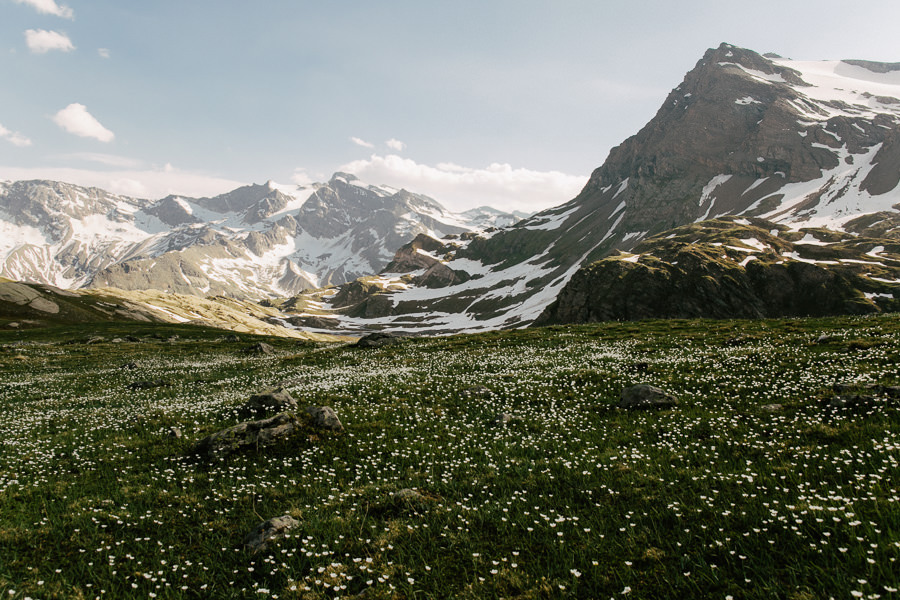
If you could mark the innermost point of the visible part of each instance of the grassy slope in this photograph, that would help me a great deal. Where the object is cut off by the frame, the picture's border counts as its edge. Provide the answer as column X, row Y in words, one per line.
column 718, row 497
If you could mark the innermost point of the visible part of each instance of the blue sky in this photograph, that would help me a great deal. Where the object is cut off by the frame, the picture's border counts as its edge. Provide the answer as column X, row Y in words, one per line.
column 503, row 102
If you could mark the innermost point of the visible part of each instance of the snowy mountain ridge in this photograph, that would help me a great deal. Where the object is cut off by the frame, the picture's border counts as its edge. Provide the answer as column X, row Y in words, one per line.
column 257, row 241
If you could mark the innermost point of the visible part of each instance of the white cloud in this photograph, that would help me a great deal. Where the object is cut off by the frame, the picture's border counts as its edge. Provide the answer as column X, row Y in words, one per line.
column 14, row 137
column 395, row 144
column 152, row 183
column 41, row 41
column 49, row 7
column 76, row 119
column 460, row 188
column 360, row 142
column 302, row 178
column 103, row 52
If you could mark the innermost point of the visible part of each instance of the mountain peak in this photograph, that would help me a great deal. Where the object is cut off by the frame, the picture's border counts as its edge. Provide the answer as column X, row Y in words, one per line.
column 341, row 176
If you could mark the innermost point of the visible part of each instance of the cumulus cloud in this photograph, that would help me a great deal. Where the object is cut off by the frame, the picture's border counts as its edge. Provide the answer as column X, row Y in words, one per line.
column 14, row 137
column 152, row 183
column 361, row 142
column 41, row 41
column 76, row 119
column 49, row 7
column 460, row 188
column 395, row 144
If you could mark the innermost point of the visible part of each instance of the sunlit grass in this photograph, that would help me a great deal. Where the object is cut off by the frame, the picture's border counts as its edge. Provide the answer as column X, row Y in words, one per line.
column 723, row 496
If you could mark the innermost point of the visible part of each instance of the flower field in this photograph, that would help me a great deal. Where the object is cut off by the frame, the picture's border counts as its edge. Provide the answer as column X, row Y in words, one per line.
column 776, row 476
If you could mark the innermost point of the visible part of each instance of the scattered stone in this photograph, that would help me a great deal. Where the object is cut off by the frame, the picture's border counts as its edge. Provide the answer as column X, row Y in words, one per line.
column 117, row 340
column 131, row 338
column 175, row 432
column 772, row 408
column 324, row 417
column 13, row 325
column 504, row 419
column 645, row 396
column 249, row 434
column 378, row 340
column 476, row 391
column 408, row 495
column 173, row 338
column 147, row 385
column 130, row 366
column 824, row 338
column 268, row 531
column 232, row 338
column 272, row 401
column 260, row 348
column 95, row 340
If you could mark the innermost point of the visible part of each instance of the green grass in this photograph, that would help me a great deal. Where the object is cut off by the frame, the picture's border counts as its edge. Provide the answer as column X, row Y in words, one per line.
column 719, row 497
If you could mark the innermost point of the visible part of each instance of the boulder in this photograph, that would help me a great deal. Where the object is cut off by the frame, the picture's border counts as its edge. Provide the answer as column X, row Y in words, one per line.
column 250, row 434
column 408, row 495
column 378, row 340
column 324, row 417
column 147, row 385
column 644, row 396
column 267, row 531
column 260, row 348
column 476, row 391
column 272, row 401
column 504, row 419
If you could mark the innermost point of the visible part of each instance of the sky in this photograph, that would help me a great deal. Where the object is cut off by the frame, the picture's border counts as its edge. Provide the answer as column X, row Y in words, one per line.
column 509, row 103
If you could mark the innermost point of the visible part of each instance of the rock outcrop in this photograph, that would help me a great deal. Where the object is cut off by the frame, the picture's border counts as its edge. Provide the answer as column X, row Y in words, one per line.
column 734, row 269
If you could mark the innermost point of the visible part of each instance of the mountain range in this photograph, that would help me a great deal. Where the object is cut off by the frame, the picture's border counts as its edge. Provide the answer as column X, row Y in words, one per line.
column 258, row 241
column 798, row 147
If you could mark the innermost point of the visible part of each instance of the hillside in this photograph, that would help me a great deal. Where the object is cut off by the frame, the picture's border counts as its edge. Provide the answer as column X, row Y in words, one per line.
column 490, row 465
column 735, row 268
column 26, row 306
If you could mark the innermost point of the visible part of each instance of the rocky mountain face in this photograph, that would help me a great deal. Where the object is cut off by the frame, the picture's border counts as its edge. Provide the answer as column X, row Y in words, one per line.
column 257, row 241
column 735, row 268
column 802, row 144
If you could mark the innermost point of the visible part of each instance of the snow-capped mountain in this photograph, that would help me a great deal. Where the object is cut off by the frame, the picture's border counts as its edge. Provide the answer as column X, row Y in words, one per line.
column 254, row 242
column 804, row 144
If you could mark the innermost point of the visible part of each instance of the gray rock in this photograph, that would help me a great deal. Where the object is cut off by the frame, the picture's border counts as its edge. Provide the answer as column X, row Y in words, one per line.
column 267, row 531
column 408, row 495
column 147, row 385
column 476, row 391
column 260, row 348
column 505, row 419
column 272, row 401
column 175, row 432
column 324, row 417
column 645, row 396
column 772, row 408
column 250, row 434
column 378, row 340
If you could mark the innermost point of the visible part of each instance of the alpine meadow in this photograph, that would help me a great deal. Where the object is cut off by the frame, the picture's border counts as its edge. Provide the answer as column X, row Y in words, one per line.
column 394, row 378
